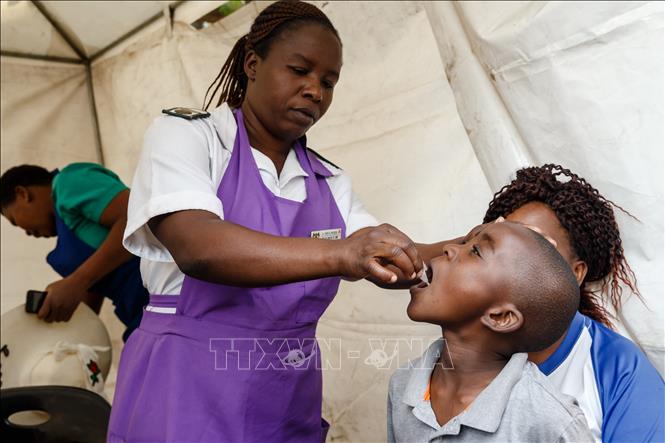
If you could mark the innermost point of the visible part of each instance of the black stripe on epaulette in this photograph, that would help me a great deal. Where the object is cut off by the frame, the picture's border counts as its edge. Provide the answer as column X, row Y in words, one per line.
column 186, row 113
column 320, row 157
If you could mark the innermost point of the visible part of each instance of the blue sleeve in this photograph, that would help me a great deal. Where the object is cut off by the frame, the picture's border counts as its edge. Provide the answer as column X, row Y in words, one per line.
column 631, row 391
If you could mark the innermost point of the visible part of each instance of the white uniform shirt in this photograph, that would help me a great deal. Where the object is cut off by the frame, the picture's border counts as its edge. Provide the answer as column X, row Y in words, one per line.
column 181, row 167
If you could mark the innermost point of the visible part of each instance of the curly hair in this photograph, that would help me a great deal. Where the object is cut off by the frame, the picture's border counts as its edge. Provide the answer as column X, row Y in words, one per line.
column 269, row 24
column 593, row 231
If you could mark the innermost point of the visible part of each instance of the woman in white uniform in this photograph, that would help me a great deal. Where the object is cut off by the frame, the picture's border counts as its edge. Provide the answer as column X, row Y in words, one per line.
column 244, row 234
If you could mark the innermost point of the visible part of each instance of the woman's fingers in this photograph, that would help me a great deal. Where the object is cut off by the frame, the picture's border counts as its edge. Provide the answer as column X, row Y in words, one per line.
column 374, row 251
column 403, row 252
column 384, row 247
column 381, row 273
column 397, row 256
column 45, row 311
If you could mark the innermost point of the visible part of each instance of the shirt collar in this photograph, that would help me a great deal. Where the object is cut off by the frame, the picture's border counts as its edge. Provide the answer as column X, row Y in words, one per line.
column 486, row 410
column 225, row 125
column 420, row 372
column 290, row 170
column 566, row 346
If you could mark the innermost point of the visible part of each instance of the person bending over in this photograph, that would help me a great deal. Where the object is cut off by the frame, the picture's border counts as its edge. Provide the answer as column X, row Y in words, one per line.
column 85, row 206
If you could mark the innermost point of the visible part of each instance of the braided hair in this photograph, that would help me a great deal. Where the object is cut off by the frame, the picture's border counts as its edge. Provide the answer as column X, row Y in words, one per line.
column 269, row 24
column 593, row 231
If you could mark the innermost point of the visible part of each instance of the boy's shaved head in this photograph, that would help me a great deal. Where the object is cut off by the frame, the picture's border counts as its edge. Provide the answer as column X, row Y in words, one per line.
column 546, row 292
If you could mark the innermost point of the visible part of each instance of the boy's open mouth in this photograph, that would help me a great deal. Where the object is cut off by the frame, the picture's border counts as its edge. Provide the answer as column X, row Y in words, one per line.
column 426, row 278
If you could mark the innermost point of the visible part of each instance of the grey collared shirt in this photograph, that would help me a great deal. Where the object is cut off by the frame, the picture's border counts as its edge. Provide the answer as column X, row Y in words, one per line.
column 519, row 405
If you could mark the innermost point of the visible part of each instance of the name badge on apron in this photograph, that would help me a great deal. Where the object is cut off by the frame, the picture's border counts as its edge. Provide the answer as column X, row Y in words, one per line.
column 327, row 234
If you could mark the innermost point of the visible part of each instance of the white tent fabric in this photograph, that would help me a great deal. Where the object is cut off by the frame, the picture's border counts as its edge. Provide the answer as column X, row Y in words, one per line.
column 438, row 105
column 91, row 25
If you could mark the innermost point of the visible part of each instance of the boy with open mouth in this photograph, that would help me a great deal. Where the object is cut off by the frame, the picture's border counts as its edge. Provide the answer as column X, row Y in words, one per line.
column 504, row 292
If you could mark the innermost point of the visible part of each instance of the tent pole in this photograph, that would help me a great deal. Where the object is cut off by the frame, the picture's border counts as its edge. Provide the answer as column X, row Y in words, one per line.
column 59, row 29
column 172, row 7
column 46, row 58
column 87, row 61
column 93, row 111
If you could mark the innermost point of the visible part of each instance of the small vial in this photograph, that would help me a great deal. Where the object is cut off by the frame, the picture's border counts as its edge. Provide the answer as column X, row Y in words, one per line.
column 424, row 276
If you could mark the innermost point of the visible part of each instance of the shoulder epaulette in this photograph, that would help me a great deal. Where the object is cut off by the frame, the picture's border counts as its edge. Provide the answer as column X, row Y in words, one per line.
column 322, row 158
column 186, row 113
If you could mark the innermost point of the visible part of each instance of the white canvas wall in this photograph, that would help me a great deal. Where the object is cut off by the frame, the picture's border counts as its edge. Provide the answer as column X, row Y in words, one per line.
column 437, row 106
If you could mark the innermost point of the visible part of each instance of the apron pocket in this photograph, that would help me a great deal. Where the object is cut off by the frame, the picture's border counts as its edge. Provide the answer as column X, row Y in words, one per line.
column 279, row 303
column 318, row 295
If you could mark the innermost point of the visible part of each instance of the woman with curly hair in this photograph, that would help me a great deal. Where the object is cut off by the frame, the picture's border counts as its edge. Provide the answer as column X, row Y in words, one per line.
column 618, row 389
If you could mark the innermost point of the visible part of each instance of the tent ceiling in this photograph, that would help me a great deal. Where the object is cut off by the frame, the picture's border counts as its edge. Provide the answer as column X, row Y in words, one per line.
column 26, row 31
column 90, row 26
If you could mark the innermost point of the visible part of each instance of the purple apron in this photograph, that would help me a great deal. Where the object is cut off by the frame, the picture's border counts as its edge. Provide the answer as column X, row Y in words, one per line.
column 234, row 364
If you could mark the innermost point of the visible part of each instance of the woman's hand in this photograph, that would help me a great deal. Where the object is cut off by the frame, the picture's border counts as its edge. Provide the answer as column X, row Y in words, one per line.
column 62, row 299
column 383, row 254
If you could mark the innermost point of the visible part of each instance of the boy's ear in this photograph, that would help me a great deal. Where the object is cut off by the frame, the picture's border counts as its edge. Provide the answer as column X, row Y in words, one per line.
column 504, row 318
column 251, row 59
column 23, row 194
